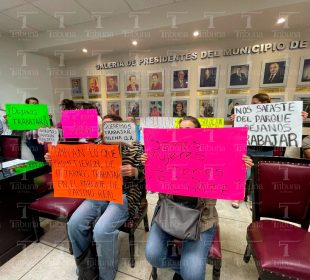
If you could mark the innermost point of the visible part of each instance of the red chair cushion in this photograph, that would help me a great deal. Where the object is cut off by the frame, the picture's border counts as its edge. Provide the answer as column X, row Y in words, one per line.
column 215, row 251
column 56, row 206
column 280, row 248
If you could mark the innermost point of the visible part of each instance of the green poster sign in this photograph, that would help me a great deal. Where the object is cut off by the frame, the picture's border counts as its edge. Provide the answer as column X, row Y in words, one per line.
column 27, row 116
column 30, row 165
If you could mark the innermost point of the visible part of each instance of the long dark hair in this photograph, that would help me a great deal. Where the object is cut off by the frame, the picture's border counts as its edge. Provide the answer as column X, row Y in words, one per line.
column 192, row 119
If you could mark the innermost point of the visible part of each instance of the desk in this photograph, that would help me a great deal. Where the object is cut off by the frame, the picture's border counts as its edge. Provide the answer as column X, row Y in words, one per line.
column 17, row 190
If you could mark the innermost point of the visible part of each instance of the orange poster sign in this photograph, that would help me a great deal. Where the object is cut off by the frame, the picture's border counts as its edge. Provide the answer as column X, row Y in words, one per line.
column 87, row 171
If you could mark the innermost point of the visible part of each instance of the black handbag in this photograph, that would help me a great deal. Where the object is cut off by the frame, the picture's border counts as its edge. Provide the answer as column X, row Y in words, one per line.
column 178, row 220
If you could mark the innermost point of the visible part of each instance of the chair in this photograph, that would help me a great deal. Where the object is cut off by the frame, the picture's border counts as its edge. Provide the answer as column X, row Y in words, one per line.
column 214, row 256
column 282, row 192
column 10, row 146
column 54, row 208
column 132, row 224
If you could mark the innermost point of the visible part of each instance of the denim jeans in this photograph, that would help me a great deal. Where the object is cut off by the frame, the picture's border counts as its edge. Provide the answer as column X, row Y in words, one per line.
column 107, row 217
column 192, row 263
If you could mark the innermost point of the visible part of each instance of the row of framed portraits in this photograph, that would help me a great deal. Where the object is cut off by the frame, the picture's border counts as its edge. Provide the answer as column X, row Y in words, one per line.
column 205, row 107
column 273, row 73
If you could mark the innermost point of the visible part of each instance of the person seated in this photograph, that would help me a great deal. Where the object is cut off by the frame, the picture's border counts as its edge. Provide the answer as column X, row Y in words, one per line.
column 98, row 221
column 306, row 147
column 192, row 264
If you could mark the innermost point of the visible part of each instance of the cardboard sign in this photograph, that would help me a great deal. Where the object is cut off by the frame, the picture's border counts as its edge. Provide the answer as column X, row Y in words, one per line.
column 120, row 133
column 271, row 124
column 48, row 135
column 27, row 116
column 80, row 123
column 204, row 122
column 87, row 171
column 154, row 122
column 196, row 162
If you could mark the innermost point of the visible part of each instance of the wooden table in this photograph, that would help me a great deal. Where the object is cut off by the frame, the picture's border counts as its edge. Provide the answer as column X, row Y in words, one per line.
column 17, row 191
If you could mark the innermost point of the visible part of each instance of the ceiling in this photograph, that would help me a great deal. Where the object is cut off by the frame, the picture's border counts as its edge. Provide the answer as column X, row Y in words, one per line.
column 102, row 26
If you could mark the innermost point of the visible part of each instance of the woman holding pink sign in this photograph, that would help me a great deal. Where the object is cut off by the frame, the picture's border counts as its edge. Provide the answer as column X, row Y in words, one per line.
column 192, row 263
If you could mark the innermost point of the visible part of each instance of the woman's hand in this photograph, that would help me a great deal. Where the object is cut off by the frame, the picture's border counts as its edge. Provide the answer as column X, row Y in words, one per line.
column 232, row 117
column 48, row 159
column 129, row 170
column 248, row 161
column 143, row 158
column 304, row 115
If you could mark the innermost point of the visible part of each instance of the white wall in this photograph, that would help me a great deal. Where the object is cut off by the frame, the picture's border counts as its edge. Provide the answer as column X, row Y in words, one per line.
column 23, row 75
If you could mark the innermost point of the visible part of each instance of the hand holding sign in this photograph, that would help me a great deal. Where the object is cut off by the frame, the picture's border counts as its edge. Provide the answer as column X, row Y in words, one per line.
column 119, row 133
column 271, row 124
column 27, row 116
column 80, row 123
column 48, row 135
column 198, row 163
column 87, row 171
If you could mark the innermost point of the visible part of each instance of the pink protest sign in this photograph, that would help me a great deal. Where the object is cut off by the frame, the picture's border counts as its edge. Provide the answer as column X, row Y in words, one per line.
column 197, row 162
column 80, row 123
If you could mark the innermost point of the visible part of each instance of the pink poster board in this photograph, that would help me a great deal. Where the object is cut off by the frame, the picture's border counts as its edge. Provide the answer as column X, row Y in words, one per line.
column 80, row 123
column 197, row 162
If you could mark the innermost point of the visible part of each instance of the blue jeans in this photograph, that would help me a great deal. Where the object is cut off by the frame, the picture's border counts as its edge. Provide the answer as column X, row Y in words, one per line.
column 192, row 263
column 107, row 217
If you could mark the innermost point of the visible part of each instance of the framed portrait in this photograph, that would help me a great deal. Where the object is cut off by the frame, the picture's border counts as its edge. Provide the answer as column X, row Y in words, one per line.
column 133, row 82
column 133, row 108
column 155, row 81
column 274, row 73
column 238, row 75
column 180, row 80
column 304, row 72
column 114, row 107
column 98, row 106
column 277, row 98
column 112, row 84
column 306, row 103
column 76, row 87
column 180, row 108
column 93, row 87
column 206, row 107
column 232, row 102
column 208, row 77
column 155, row 108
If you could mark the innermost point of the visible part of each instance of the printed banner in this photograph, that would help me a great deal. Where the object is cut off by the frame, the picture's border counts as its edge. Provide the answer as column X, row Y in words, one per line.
column 80, row 123
column 48, row 135
column 120, row 133
column 87, row 171
column 271, row 124
column 27, row 116
column 196, row 162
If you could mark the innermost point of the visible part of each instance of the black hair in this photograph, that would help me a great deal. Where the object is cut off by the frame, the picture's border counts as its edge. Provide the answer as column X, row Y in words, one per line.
column 193, row 120
column 27, row 101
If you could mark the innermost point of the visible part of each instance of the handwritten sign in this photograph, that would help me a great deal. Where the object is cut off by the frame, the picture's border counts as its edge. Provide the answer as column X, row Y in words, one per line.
column 80, row 123
column 87, row 171
column 27, row 116
column 119, row 132
column 204, row 122
column 48, row 135
column 196, row 162
column 271, row 124
column 154, row 122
